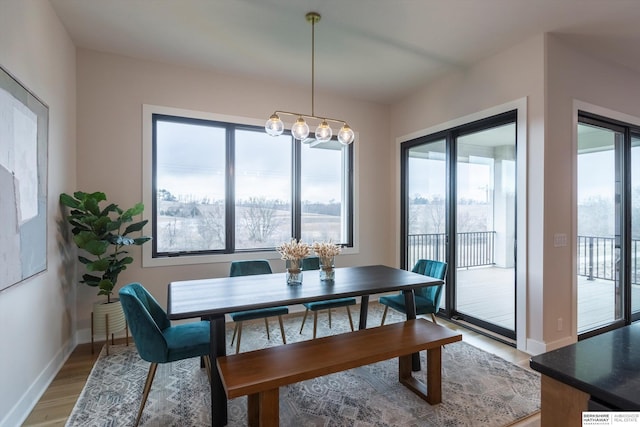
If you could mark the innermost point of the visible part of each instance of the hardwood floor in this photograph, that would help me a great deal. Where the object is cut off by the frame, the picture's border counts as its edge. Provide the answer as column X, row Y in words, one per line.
column 56, row 404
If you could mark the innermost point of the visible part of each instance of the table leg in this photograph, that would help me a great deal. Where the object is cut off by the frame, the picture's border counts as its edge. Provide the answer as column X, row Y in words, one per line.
column 218, row 347
column 364, row 310
column 410, row 306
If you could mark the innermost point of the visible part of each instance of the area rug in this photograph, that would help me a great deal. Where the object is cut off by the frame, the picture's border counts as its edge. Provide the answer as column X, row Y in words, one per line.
column 478, row 388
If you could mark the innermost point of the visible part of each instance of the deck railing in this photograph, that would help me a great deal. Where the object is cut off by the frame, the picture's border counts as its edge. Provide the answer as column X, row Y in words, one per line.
column 597, row 258
column 474, row 248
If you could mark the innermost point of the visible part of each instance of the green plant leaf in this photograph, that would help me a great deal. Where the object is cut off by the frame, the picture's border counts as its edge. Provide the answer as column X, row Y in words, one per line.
column 110, row 208
column 69, row 201
column 89, row 243
column 90, row 280
column 91, row 205
column 83, row 259
column 99, row 265
column 136, row 226
column 106, row 287
column 98, row 196
column 131, row 212
column 141, row 240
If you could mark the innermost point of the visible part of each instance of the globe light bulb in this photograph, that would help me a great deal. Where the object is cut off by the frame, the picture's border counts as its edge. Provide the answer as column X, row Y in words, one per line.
column 274, row 126
column 300, row 129
column 346, row 135
column 323, row 132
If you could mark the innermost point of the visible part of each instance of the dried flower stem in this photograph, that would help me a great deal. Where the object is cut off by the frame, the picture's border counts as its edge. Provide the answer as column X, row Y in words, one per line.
column 326, row 249
column 294, row 250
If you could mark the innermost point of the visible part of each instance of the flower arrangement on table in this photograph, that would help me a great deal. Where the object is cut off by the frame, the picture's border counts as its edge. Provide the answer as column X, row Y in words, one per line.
column 326, row 251
column 293, row 252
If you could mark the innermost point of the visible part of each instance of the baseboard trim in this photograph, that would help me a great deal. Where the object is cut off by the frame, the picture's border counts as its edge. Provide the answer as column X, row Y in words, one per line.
column 21, row 410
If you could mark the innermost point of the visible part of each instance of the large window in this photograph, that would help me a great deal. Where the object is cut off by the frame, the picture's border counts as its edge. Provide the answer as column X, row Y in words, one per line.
column 223, row 187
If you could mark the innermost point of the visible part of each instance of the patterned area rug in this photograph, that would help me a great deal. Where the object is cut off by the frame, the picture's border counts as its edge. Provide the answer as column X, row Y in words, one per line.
column 478, row 389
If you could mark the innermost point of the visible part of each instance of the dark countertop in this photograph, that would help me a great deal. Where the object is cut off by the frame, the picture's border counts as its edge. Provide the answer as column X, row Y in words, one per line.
column 606, row 366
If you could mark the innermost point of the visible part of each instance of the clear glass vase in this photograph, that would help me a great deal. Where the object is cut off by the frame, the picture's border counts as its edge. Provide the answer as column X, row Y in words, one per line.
column 327, row 268
column 294, row 272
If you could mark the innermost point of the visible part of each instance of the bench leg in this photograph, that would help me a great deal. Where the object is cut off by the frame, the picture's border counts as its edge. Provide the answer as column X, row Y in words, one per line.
column 263, row 409
column 432, row 390
column 434, row 375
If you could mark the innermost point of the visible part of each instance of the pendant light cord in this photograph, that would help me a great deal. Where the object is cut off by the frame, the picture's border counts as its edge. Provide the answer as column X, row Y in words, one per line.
column 313, row 64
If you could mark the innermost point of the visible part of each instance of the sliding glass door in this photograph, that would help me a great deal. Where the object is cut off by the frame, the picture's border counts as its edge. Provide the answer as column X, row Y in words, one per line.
column 599, row 244
column 426, row 189
column 635, row 226
column 608, row 207
column 485, row 226
column 459, row 193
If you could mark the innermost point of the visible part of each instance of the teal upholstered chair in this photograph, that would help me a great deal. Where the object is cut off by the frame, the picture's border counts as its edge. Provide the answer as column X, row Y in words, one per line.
column 249, row 268
column 156, row 339
column 313, row 263
column 427, row 299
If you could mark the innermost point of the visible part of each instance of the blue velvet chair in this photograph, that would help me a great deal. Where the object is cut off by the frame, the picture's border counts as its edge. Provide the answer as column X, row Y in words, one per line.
column 249, row 268
column 313, row 263
column 427, row 299
column 156, row 339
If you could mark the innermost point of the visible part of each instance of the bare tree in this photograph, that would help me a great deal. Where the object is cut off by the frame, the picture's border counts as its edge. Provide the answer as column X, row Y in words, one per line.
column 259, row 218
column 437, row 212
column 211, row 226
column 169, row 234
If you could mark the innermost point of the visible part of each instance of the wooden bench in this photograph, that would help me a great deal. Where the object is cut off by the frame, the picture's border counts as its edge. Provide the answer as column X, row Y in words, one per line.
column 259, row 374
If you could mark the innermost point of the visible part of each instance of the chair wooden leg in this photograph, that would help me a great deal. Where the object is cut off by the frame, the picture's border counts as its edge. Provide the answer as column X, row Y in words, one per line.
column 350, row 318
column 433, row 316
column 266, row 325
column 239, row 336
column 284, row 339
column 207, row 364
column 315, row 323
column 146, row 390
column 91, row 332
column 329, row 318
column 304, row 319
column 384, row 314
column 235, row 331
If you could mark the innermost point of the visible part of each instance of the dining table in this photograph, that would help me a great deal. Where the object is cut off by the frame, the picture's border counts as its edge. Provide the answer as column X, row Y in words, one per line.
column 214, row 298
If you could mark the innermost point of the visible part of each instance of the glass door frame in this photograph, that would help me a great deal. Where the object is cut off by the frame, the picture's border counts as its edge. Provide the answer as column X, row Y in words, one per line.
column 623, row 160
column 450, row 136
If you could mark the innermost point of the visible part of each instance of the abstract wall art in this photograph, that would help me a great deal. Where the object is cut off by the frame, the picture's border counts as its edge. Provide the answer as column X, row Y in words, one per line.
column 24, row 123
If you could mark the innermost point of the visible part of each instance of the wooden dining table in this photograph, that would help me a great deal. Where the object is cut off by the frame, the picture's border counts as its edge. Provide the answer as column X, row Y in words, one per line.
column 213, row 298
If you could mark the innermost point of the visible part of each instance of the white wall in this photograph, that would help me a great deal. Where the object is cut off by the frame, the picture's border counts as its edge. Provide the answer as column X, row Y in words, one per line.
column 111, row 92
column 517, row 73
column 37, row 316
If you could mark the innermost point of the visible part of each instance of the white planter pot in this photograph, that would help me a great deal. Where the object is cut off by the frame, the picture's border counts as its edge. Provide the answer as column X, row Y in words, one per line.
column 106, row 319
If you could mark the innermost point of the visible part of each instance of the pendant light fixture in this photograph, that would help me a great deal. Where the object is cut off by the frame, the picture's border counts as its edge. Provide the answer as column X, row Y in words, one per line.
column 300, row 129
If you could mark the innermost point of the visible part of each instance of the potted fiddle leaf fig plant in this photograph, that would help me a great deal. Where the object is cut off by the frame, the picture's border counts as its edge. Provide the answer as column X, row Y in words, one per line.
column 104, row 236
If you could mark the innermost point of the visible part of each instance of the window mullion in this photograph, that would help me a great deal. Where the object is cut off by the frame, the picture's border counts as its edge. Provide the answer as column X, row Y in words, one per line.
column 296, row 186
column 230, row 208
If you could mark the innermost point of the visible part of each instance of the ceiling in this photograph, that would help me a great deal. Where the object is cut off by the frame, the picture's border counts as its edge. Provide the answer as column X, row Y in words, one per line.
column 373, row 50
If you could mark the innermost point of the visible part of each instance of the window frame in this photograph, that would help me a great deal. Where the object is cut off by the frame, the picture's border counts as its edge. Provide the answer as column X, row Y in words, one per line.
column 152, row 258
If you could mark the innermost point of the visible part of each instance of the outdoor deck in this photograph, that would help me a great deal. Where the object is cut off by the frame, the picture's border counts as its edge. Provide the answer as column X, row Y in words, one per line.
column 488, row 293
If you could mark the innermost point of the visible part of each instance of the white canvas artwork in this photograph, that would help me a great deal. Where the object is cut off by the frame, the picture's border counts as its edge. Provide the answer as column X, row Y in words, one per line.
column 23, row 142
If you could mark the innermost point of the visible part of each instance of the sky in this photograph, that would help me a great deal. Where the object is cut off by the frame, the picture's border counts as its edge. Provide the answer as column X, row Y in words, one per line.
column 190, row 159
